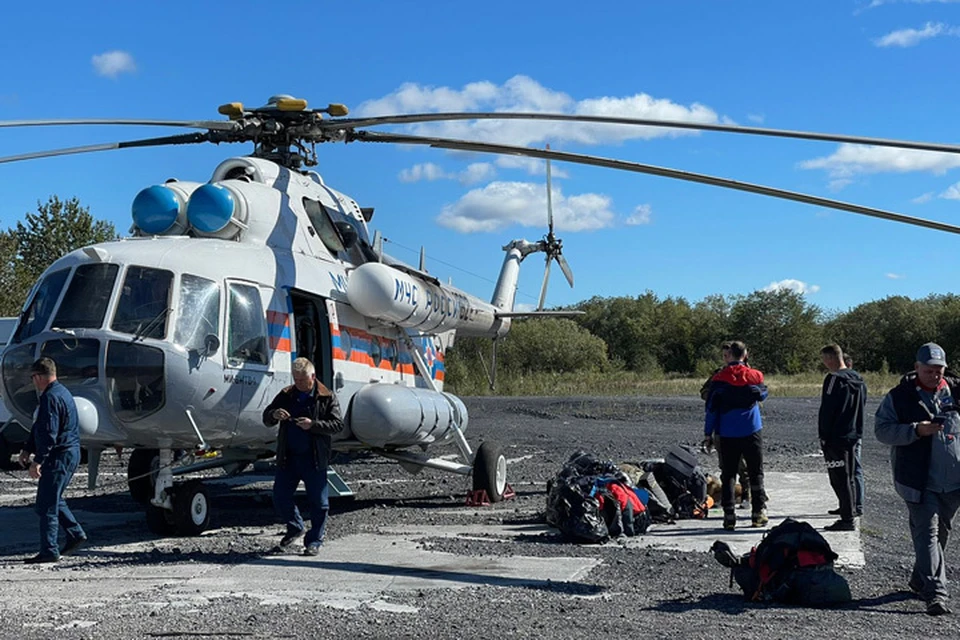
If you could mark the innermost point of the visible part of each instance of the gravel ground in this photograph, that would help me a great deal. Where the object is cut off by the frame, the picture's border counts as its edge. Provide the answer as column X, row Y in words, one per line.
column 632, row 593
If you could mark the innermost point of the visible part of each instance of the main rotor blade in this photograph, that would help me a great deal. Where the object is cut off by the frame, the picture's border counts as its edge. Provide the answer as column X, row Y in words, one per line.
column 636, row 167
column 543, row 287
column 187, row 138
column 414, row 118
column 565, row 268
column 218, row 125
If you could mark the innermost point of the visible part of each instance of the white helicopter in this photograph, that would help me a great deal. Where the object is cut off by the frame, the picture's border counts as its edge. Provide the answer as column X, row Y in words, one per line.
column 176, row 338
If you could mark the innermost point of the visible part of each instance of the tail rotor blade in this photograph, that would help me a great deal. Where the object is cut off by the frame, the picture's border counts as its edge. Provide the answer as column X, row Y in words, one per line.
column 543, row 288
column 549, row 197
column 568, row 274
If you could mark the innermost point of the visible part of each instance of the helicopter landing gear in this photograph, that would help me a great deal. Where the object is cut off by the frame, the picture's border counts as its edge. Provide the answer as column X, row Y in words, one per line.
column 183, row 509
column 141, row 485
column 191, row 508
column 490, row 471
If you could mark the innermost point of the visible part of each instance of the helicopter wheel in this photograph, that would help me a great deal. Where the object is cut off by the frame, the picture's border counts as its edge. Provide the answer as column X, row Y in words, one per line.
column 191, row 508
column 142, row 461
column 490, row 471
column 160, row 521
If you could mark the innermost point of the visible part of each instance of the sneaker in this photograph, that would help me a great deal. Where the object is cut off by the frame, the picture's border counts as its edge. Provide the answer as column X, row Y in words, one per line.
column 729, row 521
column 313, row 549
column 841, row 525
column 72, row 545
column 759, row 518
column 936, row 607
column 289, row 538
column 42, row 558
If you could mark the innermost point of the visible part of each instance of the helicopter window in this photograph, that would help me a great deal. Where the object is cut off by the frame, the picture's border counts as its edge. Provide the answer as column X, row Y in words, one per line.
column 247, row 341
column 85, row 302
column 199, row 312
column 144, row 303
column 135, row 382
column 346, row 343
column 36, row 316
column 375, row 351
column 323, row 225
column 17, row 383
column 77, row 358
column 390, row 352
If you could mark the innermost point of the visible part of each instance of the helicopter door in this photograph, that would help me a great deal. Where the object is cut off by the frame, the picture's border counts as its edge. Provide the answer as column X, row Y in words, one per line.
column 247, row 356
column 313, row 334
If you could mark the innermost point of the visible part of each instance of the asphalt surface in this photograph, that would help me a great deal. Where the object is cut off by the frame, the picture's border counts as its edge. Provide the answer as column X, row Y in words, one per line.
column 625, row 590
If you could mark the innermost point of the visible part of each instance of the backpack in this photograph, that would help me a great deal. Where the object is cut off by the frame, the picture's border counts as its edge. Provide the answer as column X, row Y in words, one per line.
column 792, row 564
column 684, row 482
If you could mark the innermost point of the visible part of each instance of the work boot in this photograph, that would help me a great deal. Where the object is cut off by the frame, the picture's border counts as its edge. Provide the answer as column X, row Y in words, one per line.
column 936, row 607
column 42, row 558
column 290, row 537
column 759, row 518
column 72, row 545
column 841, row 525
column 729, row 520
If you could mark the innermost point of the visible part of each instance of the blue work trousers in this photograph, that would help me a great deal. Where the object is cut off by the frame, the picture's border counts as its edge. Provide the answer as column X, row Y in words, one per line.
column 930, row 522
column 285, row 483
column 55, row 474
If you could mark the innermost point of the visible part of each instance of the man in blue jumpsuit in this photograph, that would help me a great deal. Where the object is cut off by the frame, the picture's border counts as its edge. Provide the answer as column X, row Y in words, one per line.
column 55, row 445
column 308, row 414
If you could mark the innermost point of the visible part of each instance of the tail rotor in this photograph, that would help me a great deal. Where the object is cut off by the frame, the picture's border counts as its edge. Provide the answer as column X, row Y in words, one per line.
column 552, row 246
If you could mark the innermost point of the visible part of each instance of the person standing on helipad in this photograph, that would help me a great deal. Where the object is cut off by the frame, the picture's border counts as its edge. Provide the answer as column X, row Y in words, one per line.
column 918, row 419
column 54, row 444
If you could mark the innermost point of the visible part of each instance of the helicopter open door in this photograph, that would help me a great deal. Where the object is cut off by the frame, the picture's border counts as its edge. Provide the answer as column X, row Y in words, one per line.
column 312, row 326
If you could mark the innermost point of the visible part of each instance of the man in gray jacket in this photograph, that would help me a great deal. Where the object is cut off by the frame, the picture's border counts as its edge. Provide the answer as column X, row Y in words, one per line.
column 919, row 420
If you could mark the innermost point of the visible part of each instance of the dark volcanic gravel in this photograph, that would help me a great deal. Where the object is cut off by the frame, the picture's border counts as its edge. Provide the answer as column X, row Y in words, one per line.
column 633, row 593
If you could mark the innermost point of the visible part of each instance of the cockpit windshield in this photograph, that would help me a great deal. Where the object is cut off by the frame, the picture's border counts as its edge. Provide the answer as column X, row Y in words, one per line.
column 198, row 315
column 85, row 302
column 144, row 303
column 36, row 316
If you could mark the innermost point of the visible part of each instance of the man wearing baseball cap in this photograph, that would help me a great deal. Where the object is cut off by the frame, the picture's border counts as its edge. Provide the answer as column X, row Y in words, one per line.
column 919, row 420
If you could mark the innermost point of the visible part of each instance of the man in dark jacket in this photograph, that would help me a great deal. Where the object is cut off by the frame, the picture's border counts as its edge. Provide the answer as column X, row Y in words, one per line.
column 54, row 443
column 308, row 414
column 919, row 420
column 840, row 427
column 733, row 416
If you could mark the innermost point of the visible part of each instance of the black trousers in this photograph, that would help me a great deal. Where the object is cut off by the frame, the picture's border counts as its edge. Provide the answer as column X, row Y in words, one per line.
column 839, row 456
column 750, row 448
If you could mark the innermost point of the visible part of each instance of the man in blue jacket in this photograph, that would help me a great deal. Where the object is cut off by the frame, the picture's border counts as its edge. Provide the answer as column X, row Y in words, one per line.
column 733, row 416
column 54, row 443
column 919, row 420
column 308, row 414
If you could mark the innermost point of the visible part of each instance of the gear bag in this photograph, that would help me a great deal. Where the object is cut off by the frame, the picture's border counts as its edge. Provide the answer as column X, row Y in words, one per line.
column 792, row 564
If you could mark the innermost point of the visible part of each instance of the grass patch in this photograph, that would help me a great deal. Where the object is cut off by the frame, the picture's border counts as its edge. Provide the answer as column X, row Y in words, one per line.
column 627, row 383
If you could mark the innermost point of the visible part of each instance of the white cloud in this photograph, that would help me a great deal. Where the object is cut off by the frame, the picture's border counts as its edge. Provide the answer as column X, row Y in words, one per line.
column 756, row 118
column 501, row 204
column 521, row 93
column 951, row 193
column 855, row 159
column 642, row 214
column 896, row 276
column 911, row 37
column 926, row 197
column 878, row 3
column 474, row 173
column 426, row 171
column 792, row 285
column 112, row 63
column 838, row 184
column 477, row 172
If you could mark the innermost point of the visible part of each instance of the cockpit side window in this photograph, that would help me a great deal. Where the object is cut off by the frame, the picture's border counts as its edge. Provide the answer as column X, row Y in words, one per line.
column 323, row 225
column 198, row 314
column 36, row 316
column 85, row 303
column 144, row 303
column 247, row 339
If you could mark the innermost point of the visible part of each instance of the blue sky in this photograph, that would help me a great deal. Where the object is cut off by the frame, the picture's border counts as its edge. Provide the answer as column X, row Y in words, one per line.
column 880, row 68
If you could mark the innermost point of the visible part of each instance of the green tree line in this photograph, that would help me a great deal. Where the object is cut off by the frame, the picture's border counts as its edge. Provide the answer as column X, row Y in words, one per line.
column 671, row 336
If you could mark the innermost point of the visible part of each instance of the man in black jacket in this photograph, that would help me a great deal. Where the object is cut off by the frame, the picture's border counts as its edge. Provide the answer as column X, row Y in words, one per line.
column 308, row 414
column 919, row 420
column 840, row 427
